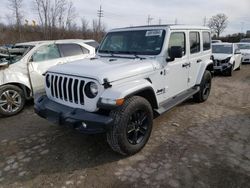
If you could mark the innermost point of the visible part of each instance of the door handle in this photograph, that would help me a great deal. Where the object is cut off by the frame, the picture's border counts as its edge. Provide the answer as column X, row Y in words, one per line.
column 199, row 60
column 186, row 65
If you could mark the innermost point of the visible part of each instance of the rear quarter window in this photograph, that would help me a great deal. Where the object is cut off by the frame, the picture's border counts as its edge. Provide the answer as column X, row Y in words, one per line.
column 72, row 50
column 206, row 41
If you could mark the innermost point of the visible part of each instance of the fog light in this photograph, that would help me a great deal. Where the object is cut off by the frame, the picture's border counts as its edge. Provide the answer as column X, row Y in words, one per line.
column 84, row 125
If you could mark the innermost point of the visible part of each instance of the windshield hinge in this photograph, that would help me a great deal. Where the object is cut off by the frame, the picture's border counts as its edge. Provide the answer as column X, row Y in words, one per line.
column 106, row 83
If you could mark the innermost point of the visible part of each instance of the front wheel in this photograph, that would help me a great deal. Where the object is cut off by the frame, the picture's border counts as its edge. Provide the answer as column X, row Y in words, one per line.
column 239, row 66
column 12, row 100
column 205, row 88
column 132, row 126
column 229, row 71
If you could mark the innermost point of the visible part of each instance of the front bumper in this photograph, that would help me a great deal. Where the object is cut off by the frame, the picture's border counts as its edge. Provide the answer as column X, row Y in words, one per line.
column 81, row 120
column 223, row 67
column 246, row 59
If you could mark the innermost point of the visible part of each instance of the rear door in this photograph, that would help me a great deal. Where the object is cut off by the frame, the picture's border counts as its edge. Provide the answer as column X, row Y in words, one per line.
column 42, row 59
column 73, row 52
column 177, row 70
column 195, row 57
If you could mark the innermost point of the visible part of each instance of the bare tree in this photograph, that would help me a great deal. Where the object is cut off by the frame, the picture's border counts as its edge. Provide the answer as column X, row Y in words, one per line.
column 218, row 23
column 16, row 8
column 71, row 15
column 55, row 14
column 42, row 7
column 84, row 26
column 98, row 30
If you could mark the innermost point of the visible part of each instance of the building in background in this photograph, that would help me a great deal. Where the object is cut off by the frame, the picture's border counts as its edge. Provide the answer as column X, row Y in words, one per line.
column 248, row 33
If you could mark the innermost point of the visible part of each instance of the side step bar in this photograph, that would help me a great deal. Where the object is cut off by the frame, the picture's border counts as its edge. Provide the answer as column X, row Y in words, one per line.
column 170, row 103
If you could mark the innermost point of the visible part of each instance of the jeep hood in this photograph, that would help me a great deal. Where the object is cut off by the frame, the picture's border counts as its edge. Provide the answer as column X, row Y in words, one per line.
column 112, row 69
column 221, row 56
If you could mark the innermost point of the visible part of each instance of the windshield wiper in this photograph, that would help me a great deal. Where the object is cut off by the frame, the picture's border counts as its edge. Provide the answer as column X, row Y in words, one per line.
column 111, row 54
column 134, row 53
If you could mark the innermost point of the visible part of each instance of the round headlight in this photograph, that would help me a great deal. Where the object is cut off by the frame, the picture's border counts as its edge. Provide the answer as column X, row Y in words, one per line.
column 47, row 80
column 91, row 90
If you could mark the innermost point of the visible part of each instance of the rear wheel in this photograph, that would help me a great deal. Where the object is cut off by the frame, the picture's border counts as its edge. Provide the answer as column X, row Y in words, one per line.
column 12, row 100
column 205, row 88
column 132, row 126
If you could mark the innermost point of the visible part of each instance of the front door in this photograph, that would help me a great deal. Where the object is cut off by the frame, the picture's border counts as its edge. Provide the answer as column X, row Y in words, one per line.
column 43, row 58
column 177, row 70
column 237, row 56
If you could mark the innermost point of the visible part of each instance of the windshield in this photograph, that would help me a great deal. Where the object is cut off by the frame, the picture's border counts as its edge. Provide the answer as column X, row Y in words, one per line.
column 13, row 54
column 244, row 46
column 142, row 42
column 222, row 49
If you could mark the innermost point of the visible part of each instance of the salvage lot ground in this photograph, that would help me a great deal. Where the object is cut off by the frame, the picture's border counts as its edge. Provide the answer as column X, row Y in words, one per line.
column 193, row 145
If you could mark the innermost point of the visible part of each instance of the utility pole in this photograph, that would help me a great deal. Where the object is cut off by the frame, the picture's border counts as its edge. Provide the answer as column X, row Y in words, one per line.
column 100, row 15
column 205, row 21
column 176, row 21
column 159, row 21
column 242, row 26
column 149, row 19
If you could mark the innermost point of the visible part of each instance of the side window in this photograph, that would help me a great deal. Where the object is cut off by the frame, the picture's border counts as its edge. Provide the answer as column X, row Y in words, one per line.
column 177, row 39
column 45, row 53
column 195, row 46
column 206, row 41
column 236, row 48
column 70, row 49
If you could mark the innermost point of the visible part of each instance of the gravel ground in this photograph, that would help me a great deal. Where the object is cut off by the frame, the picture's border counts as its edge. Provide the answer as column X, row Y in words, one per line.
column 193, row 145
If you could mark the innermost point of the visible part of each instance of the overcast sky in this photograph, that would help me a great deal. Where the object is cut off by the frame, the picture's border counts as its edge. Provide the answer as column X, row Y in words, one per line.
column 118, row 13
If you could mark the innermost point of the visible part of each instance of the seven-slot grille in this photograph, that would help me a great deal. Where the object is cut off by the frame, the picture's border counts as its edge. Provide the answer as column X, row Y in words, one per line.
column 66, row 88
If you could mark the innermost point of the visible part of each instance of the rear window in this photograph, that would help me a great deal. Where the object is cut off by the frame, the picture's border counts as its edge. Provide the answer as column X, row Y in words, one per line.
column 70, row 49
column 93, row 44
column 206, row 41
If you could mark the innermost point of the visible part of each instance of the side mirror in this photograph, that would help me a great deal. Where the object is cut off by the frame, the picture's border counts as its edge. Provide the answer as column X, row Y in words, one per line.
column 31, row 59
column 4, row 64
column 237, row 52
column 96, row 49
column 212, row 57
column 175, row 52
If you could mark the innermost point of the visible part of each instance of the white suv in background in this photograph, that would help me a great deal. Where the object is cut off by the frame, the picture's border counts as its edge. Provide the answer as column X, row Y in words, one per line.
column 245, row 51
column 227, row 58
column 22, row 66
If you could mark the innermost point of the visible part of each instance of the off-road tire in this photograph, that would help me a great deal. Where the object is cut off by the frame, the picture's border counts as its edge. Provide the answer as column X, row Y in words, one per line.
column 117, row 136
column 205, row 88
column 21, row 98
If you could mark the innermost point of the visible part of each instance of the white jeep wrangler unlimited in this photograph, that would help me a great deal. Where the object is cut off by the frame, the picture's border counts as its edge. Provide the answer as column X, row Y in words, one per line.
column 138, row 73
